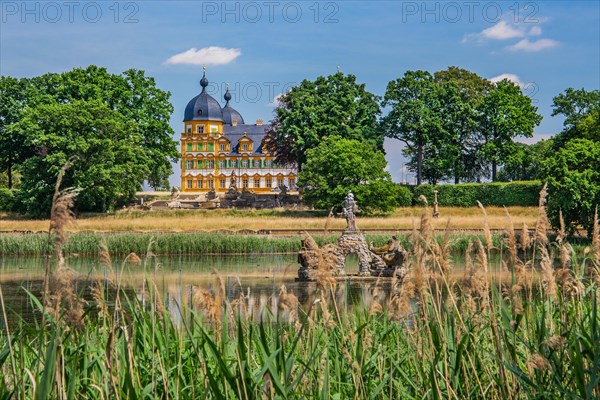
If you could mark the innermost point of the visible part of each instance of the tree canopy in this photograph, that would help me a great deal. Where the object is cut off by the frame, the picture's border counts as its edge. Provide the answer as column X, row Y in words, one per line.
column 338, row 165
column 415, row 117
column 314, row 110
column 573, row 177
column 89, row 108
column 505, row 114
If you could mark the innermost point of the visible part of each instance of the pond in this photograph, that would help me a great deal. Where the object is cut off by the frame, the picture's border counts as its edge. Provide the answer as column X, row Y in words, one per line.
column 259, row 279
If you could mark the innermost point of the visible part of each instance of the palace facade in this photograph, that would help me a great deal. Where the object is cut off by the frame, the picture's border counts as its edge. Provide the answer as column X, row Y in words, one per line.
column 219, row 149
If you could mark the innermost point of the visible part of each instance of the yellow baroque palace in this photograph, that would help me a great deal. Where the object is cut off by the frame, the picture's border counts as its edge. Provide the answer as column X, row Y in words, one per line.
column 218, row 148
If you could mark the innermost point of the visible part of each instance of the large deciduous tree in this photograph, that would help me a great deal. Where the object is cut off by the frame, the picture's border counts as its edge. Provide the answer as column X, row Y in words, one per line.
column 143, row 114
column 463, row 92
column 100, row 143
column 573, row 177
column 581, row 109
column 314, row 110
column 338, row 165
column 505, row 113
column 526, row 161
column 415, row 117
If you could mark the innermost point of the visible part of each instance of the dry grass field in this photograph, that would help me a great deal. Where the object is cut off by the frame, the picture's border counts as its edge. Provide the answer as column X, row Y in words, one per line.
column 209, row 220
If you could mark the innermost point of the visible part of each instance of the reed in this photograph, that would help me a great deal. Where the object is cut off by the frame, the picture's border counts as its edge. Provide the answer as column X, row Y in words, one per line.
column 121, row 244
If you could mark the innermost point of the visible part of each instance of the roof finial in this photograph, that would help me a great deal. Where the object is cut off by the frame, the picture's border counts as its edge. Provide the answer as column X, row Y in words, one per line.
column 227, row 96
column 204, row 81
column 338, row 68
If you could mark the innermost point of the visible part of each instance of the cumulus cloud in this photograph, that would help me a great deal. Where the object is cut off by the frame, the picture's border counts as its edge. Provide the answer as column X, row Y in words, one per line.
column 536, row 45
column 212, row 55
column 275, row 102
column 504, row 30
column 511, row 77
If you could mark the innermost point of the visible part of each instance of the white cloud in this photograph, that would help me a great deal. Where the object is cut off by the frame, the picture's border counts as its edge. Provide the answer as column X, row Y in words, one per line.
column 501, row 31
column 511, row 77
column 504, row 30
column 537, row 45
column 212, row 55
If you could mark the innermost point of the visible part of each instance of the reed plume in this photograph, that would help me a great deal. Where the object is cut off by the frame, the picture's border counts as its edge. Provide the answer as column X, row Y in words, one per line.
column 525, row 239
column 486, row 228
column 511, row 241
column 541, row 225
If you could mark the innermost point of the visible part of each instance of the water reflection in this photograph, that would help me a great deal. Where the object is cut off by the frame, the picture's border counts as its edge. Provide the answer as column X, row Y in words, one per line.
column 257, row 280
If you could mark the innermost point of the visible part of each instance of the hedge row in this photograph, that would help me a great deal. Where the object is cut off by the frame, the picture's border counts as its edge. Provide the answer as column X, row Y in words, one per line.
column 489, row 194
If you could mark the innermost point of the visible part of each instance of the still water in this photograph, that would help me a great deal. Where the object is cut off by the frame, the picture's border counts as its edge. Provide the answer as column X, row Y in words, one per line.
column 258, row 279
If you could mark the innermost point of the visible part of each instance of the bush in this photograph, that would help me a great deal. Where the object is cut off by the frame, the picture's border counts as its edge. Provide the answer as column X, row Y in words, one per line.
column 404, row 196
column 7, row 200
column 489, row 194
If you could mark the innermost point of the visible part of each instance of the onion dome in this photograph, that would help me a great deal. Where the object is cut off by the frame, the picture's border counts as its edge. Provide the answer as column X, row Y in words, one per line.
column 203, row 107
column 229, row 113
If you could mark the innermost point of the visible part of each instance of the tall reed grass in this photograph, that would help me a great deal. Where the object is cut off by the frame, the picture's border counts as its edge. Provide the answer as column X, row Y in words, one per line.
column 37, row 244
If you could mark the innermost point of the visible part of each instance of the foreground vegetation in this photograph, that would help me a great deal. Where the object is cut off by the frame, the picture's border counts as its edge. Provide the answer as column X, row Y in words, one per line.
column 188, row 243
column 434, row 337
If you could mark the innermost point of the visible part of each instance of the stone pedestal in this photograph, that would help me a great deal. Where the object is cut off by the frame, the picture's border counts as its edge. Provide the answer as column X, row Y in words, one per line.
column 353, row 242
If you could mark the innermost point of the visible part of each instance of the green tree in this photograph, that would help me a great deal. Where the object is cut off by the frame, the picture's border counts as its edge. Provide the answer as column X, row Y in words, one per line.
column 14, row 94
column 314, row 110
column 132, row 94
column 107, row 166
column 581, row 110
column 525, row 163
column 463, row 93
column 339, row 165
column 415, row 117
column 573, row 178
column 506, row 113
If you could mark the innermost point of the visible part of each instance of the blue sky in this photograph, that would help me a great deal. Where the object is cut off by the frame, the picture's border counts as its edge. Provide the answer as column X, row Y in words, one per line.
column 262, row 47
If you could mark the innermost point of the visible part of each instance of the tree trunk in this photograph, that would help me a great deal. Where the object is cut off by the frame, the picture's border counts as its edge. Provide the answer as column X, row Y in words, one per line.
column 9, row 175
column 494, row 166
column 456, row 179
column 419, row 164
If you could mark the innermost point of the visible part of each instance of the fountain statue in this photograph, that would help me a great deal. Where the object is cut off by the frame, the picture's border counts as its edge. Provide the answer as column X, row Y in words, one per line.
column 385, row 261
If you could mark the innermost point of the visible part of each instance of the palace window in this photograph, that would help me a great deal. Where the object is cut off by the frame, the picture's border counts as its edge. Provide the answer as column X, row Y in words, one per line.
column 200, row 128
column 244, row 163
column 292, row 182
column 200, row 184
column 188, row 129
column 190, row 164
column 268, row 182
column 256, row 182
column 189, row 183
column 222, row 183
column 210, row 164
column 210, row 146
column 189, row 147
column 279, row 182
column 244, row 147
column 214, row 129
column 245, row 183
column 267, row 163
column 222, row 164
column 211, row 184
column 199, row 147
column 222, row 147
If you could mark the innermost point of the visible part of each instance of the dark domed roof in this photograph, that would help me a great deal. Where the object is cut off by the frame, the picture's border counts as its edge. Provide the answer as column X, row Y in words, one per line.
column 203, row 107
column 229, row 113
